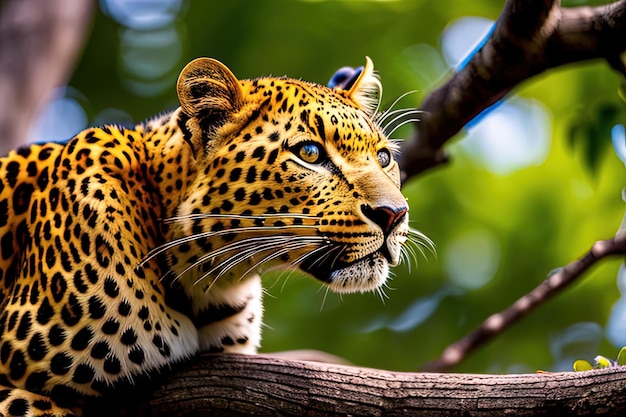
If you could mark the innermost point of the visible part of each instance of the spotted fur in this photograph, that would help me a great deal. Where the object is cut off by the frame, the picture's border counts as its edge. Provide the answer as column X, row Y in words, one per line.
column 124, row 251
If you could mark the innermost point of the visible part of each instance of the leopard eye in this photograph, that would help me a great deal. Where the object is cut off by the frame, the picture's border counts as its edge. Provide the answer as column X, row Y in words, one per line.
column 384, row 157
column 310, row 152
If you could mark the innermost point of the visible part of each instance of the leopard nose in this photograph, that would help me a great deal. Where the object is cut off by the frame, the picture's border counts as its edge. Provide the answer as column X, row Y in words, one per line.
column 386, row 218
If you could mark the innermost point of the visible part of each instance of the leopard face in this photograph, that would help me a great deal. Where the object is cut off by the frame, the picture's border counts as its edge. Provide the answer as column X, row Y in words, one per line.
column 289, row 173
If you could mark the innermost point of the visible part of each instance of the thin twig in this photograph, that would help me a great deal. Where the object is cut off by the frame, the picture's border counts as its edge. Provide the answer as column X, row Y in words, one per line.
column 553, row 285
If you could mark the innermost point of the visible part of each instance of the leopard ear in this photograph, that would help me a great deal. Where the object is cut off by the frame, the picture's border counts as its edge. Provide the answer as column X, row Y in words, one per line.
column 208, row 91
column 367, row 89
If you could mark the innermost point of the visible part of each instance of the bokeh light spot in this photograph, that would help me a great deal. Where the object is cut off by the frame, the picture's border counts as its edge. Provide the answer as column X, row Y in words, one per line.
column 580, row 340
column 472, row 258
column 61, row 119
column 461, row 37
column 513, row 136
column 142, row 14
column 618, row 137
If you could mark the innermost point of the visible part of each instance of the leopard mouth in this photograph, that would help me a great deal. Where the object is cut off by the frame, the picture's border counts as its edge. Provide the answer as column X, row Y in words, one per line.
column 362, row 275
column 323, row 268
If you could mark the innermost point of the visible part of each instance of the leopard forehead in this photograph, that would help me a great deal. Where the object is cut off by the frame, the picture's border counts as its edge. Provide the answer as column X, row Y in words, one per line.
column 304, row 111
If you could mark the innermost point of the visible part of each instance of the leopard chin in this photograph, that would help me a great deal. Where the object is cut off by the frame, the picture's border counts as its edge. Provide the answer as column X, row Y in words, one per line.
column 364, row 275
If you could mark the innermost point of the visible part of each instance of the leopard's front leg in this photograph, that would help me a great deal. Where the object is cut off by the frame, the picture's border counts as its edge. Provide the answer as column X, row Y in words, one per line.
column 228, row 316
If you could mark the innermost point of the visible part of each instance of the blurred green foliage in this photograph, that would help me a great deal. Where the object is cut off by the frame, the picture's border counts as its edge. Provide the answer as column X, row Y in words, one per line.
column 536, row 218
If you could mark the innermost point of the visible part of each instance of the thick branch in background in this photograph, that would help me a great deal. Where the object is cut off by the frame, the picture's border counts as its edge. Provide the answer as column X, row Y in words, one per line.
column 39, row 40
column 530, row 37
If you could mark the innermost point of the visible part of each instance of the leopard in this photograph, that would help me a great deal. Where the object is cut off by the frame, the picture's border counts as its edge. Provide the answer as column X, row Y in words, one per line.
column 126, row 250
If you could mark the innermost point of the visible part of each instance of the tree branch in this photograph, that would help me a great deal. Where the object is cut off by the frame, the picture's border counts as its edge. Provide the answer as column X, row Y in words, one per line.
column 554, row 284
column 234, row 385
column 529, row 38
column 39, row 40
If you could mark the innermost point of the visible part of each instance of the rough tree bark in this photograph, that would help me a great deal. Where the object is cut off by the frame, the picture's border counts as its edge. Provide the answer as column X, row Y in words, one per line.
column 237, row 386
column 37, row 49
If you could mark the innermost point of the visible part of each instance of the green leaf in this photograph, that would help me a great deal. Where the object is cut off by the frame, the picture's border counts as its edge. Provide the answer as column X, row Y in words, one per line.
column 602, row 362
column 621, row 357
column 582, row 365
column 590, row 132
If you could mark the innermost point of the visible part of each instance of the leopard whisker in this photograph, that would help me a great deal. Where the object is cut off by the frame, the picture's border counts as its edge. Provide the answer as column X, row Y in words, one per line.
column 293, row 264
column 400, row 120
column 332, row 264
column 416, row 242
column 410, row 257
column 249, row 247
column 303, row 257
column 255, row 249
column 292, row 267
column 404, row 111
column 202, row 216
column 249, row 253
column 404, row 122
column 324, row 299
column 406, row 258
column 233, row 246
column 416, row 245
column 292, row 247
column 421, row 240
column 222, row 268
column 284, row 251
column 205, row 235
column 322, row 258
column 384, row 114
column 382, row 294
column 283, row 278
column 290, row 272
column 412, row 251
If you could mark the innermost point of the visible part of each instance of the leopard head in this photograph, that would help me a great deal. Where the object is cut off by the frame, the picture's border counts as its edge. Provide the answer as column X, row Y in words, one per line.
column 287, row 173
